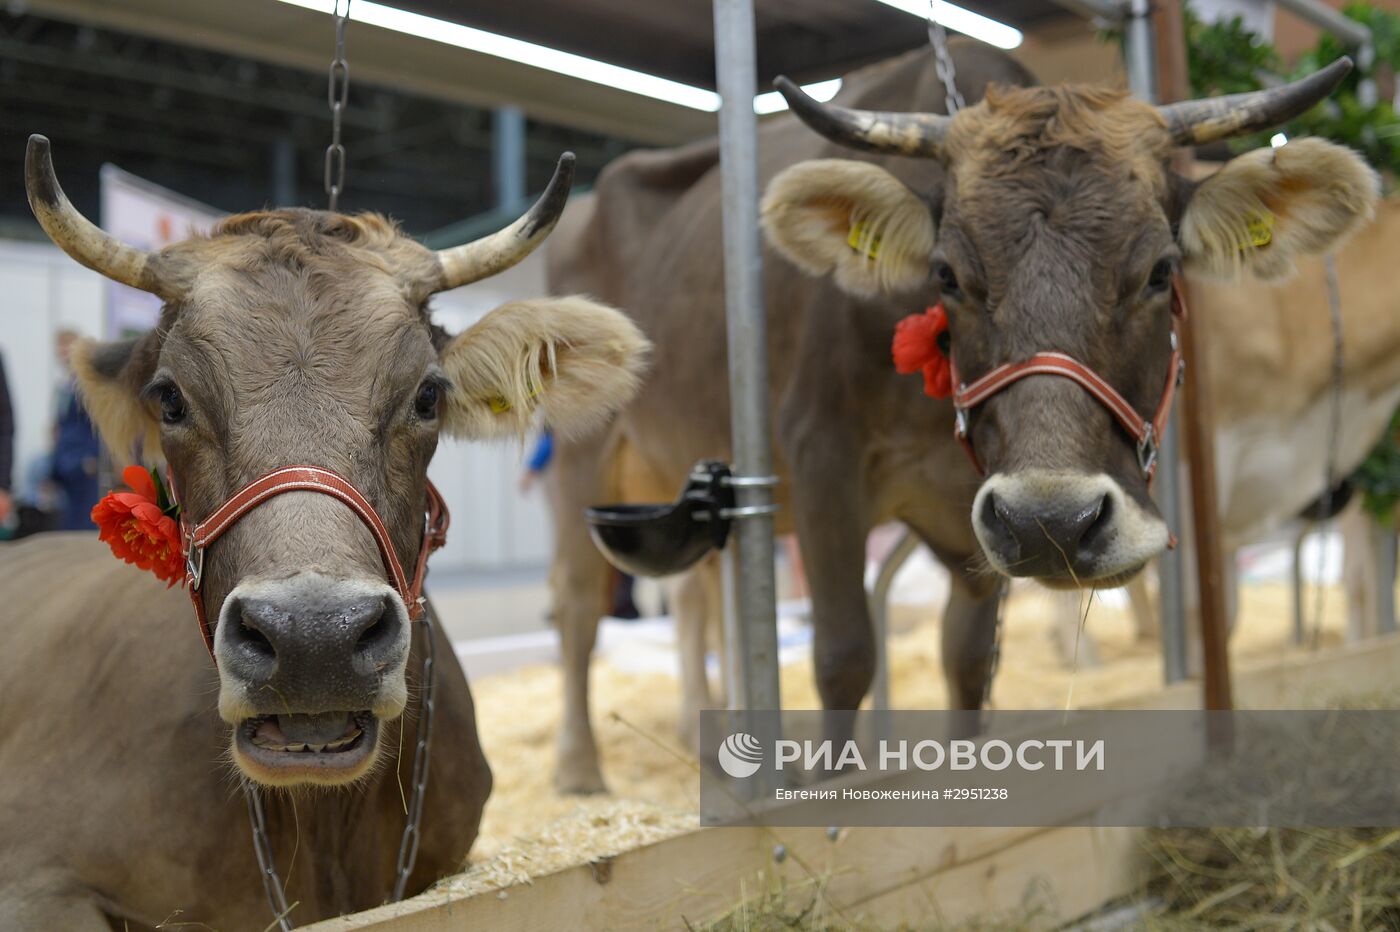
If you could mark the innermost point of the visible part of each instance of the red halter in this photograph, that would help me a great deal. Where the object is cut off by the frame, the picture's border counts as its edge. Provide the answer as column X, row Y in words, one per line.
column 326, row 482
column 1146, row 433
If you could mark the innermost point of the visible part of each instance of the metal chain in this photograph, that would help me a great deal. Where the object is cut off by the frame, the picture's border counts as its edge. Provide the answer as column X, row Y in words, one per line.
column 337, row 93
column 943, row 63
column 272, row 881
column 1329, row 477
column 994, row 661
column 408, row 842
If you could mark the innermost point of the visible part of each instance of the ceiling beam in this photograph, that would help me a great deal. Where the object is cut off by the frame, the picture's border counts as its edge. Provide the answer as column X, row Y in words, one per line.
column 276, row 32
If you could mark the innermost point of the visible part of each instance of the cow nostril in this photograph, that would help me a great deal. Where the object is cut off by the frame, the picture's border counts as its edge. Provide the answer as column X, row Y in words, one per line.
column 252, row 638
column 1099, row 522
column 379, row 633
column 995, row 514
column 255, row 640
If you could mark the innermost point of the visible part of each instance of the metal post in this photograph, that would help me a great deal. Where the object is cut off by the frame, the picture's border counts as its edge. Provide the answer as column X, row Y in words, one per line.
column 1384, row 539
column 1138, row 48
column 1169, row 568
column 508, row 157
column 284, row 172
column 753, row 632
column 880, row 614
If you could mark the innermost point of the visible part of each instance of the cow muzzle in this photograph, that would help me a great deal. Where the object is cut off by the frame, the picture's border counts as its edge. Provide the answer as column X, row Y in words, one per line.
column 1067, row 530
column 309, row 666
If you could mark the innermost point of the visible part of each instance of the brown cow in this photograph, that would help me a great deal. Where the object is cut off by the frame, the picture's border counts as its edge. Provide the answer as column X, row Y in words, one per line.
column 1046, row 219
column 287, row 337
column 1270, row 361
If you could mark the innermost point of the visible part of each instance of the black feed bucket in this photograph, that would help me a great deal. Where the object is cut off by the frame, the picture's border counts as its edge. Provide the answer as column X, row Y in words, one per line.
column 659, row 540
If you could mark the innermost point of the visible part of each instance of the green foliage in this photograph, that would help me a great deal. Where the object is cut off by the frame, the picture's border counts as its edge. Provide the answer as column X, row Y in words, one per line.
column 1226, row 58
column 1378, row 477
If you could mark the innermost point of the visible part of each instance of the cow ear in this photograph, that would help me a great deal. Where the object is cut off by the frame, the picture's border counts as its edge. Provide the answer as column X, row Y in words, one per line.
column 1269, row 207
column 853, row 221
column 572, row 360
column 110, row 378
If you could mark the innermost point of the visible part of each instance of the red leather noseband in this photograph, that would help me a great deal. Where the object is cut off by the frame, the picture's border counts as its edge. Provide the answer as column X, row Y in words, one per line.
column 1145, row 433
column 326, row 482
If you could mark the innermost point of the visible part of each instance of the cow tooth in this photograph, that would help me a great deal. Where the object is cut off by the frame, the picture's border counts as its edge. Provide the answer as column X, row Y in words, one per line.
column 316, row 747
column 295, row 747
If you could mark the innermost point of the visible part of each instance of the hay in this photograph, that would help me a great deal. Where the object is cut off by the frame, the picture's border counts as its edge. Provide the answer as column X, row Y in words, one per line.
column 1240, row 878
column 1258, row 878
column 518, row 713
column 594, row 831
column 789, row 907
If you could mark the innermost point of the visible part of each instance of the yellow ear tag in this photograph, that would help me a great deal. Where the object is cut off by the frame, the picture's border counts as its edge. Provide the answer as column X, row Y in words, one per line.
column 1259, row 229
column 860, row 240
column 499, row 405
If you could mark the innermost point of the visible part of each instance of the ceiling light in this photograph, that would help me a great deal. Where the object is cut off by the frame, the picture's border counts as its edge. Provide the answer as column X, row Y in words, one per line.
column 772, row 102
column 961, row 20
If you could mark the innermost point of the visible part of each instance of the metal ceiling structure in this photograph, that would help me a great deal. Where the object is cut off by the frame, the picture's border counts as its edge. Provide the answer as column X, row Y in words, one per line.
column 226, row 102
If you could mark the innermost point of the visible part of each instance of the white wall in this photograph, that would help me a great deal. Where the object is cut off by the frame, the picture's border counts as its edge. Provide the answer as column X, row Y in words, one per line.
column 494, row 527
column 41, row 292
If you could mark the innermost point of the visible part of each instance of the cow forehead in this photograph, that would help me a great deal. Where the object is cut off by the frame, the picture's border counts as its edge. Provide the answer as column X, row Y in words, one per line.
column 1018, row 131
column 268, row 328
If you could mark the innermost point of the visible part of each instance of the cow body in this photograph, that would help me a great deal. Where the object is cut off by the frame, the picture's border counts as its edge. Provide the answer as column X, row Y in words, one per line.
column 118, row 797
column 1049, row 224
column 300, row 451
column 1269, row 355
column 856, row 444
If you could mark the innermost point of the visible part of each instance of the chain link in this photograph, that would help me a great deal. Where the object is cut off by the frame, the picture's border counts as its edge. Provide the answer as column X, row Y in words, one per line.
column 272, row 881
column 1330, row 478
column 994, row 660
column 408, row 842
column 943, row 63
column 337, row 94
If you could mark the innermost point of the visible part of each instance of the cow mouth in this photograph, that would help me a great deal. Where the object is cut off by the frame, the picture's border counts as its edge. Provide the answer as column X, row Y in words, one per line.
column 325, row 747
column 1076, row 584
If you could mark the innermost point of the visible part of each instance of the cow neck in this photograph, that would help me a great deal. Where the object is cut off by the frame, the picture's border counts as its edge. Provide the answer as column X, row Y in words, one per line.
column 304, row 478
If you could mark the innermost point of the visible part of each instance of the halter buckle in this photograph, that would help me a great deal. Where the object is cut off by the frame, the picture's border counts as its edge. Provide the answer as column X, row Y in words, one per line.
column 1147, row 452
column 959, row 422
column 194, row 564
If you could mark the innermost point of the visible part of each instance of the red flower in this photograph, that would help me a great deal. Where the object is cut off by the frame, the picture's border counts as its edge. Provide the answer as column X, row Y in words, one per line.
column 918, row 346
column 139, row 529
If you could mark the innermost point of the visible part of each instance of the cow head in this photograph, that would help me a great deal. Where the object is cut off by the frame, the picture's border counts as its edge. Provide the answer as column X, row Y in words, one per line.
column 303, row 337
column 1058, row 226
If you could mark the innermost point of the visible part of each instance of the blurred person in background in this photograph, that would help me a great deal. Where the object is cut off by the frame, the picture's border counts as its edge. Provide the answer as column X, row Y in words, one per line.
column 76, row 449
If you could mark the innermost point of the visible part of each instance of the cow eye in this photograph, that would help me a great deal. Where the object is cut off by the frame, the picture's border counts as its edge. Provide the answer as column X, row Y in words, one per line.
column 947, row 281
column 1161, row 276
column 425, row 405
column 172, row 404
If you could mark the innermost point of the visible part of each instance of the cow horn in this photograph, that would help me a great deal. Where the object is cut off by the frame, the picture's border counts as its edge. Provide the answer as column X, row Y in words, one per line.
column 873, row 130
column 77, row 235
column 1196, row 122
column 482, row 258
